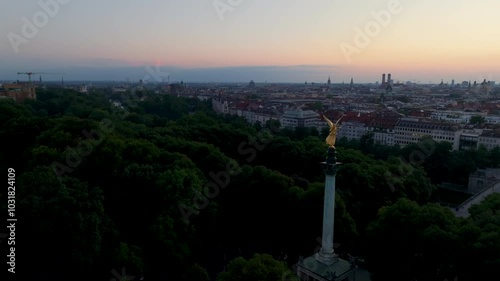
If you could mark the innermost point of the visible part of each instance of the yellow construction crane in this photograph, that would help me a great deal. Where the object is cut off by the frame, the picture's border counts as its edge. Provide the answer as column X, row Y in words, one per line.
column 31, row 73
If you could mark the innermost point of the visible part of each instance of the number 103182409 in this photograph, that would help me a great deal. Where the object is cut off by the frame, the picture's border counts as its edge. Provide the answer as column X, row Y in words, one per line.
column 11, row 191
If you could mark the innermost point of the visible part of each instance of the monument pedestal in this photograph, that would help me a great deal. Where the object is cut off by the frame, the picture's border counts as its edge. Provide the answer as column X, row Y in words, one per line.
column 311, row 268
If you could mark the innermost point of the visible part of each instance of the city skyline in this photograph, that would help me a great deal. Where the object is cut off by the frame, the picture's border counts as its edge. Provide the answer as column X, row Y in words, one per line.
column 239, row 41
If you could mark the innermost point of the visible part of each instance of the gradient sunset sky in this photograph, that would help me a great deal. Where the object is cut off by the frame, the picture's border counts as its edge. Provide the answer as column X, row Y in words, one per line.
column 260, row 40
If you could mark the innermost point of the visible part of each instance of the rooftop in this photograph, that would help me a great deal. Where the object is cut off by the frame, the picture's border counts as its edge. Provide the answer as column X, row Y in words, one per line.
column 491, row 133
column 427, row 125
column 300, row 114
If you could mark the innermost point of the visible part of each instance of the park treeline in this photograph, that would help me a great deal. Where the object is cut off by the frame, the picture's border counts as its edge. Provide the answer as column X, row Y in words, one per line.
column 161, row 187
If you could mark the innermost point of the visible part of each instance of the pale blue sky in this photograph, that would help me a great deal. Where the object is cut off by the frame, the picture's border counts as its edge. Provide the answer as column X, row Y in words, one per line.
column 264, row 39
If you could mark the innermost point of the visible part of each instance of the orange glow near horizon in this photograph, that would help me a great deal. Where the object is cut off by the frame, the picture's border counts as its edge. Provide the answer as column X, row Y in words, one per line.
column 438, row 39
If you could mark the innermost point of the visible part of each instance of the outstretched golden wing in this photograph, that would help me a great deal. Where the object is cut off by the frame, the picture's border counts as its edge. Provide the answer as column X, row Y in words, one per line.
column 330, row 123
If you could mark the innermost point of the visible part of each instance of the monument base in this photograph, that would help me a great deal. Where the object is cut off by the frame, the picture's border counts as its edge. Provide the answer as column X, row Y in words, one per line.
column 326, row 258
column 313, row 269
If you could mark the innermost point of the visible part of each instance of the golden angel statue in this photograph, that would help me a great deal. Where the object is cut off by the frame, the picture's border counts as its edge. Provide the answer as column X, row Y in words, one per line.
column 330, row 140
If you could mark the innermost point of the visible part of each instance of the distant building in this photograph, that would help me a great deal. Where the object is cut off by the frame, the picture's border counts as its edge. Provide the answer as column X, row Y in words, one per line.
column 83, row 89
column 485, row 87
column 352, row 129
column 386, row 86
column 452, row 116
column 382, row 129
column 413, row 130
column 468, row 140
column 489, row 139
column 264, row 115
column 301, row 118
column 238, row 108
column 18, row 92
column 481, row 179
column 353, row 125
column 220, row 105
column 419, row 113
column 492, row 119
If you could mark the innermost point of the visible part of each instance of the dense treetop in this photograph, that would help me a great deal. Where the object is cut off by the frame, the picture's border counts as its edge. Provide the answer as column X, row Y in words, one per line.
column 166, row 188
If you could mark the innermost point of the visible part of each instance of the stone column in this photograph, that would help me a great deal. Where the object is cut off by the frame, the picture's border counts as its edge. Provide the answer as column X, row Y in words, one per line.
column 326, row 255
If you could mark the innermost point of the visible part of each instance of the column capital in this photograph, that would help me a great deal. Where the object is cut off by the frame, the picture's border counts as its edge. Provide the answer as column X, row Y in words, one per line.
column 331, row 169
column 331, row 166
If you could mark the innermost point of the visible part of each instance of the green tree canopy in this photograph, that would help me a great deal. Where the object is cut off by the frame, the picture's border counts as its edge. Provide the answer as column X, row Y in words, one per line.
column 413, row 242
column 262, row 267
